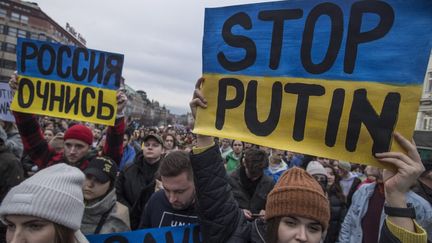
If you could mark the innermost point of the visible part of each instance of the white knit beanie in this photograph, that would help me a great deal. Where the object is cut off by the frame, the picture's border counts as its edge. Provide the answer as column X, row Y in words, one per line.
column 316, row 168
column 54, row 194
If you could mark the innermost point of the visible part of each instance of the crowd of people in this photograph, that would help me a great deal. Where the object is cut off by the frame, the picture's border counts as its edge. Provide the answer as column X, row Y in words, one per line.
column 61, row 180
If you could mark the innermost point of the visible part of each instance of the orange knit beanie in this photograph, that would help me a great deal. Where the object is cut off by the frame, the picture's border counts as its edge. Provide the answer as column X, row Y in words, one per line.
column 298, row 194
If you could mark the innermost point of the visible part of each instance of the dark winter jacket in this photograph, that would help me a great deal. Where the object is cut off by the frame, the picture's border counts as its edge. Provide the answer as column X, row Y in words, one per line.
column 255, row 202
column 220, row 217
column 134, row 186
column 11, row 171
column 158, row 213
column 338, row 210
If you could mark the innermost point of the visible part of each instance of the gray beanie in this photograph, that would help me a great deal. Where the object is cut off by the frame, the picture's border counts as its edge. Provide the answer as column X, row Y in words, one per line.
column 54, row 194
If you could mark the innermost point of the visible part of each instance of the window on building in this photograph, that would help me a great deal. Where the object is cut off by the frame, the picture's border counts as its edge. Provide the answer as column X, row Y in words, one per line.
column 24, row 19
column 429, row 83
column 4, row 79
column 10, row 47
column 15, row 16
column 42, row 37
column 7, row 64
column 3, row 13
column 12, row 31
column 33, row 36
column 22, row 33
column 2, row 29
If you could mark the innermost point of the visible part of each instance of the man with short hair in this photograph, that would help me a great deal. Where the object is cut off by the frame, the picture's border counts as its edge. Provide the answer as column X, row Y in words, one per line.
column 174, row 205
column 78, row 139
column 250, row 185
column 136, row 183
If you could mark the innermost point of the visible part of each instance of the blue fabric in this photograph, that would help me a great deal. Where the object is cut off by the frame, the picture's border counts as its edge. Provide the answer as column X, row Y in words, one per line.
column 128, row 157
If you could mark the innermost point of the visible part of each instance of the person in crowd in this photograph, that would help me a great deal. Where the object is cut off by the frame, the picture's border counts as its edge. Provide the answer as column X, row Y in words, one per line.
column 371, row 172
column 250, row 185
column 225, row 147
column 349, row 182
column 57, row 142
column 128, row 152
column 77, row 139
column 47, row 207
column 48, row 135
column 233, row 158
column 294, row 159
column 338, row 206
column 170, row 143
column 136, row 183
column 97, row 135
column 424, row 184
column 11, row 173
column 13, row 142
column 323, row 161
column 174, row 204
column 288, row 217
column 317, row 171
column 277, row 165
column 367, row 211
column 102, row 213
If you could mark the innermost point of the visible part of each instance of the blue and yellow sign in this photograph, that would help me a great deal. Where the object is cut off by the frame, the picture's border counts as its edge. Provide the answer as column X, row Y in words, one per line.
column 328, row 78
column 66, row 81
column 181, row 234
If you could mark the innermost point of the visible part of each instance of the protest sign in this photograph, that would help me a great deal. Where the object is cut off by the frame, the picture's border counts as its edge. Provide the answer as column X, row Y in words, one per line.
column 183, row 234
column 5, row 101
column 333, row 78
column 67, row 81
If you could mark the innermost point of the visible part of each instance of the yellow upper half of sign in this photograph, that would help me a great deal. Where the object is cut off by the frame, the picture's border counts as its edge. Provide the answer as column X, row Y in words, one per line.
column 316, row 118
column 65, row 100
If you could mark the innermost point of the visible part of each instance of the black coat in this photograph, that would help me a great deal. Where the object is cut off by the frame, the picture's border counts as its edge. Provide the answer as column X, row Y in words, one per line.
column 134, row 186
column 256, row 202
column 221, row 220
column 11, row 172
column 338, row 210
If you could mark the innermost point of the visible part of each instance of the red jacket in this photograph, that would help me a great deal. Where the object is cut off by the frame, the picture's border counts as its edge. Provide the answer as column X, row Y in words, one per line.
column 43, row 155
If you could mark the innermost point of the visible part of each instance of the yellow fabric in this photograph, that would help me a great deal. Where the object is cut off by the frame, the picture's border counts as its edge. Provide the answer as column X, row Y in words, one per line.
column 198, row 150
column 406, row 236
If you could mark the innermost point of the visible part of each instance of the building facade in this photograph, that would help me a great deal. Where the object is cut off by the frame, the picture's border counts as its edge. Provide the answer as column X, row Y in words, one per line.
column 424, row 117
column 27, row 20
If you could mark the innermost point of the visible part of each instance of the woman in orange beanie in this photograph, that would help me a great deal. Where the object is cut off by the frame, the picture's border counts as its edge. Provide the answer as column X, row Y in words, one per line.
column 297, row 209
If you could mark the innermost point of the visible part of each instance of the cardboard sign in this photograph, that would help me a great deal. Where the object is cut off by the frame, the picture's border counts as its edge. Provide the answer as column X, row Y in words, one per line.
column 183, row 234
column 332, row 79
column 5, row 101
column 67, row 82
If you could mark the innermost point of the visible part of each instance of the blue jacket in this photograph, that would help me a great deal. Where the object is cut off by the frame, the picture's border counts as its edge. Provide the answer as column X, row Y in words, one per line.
column 351, row 229
column 128, row 157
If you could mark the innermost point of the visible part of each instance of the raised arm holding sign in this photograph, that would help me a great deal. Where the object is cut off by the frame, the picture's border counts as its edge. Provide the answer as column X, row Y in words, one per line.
column 42, row 91
column 333, row 79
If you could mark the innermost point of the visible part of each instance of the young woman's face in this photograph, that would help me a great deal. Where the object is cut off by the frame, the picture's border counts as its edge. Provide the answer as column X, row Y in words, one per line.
column 330, row 176
column 237, row 146
column 299, row 229
column 29, row 229
column 93, row 189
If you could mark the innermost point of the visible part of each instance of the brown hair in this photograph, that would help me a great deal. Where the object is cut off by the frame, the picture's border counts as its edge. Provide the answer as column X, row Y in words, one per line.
column 272, row 229
column 63, row 234
column 175, row 163
column 255, row 160
column 336, row 187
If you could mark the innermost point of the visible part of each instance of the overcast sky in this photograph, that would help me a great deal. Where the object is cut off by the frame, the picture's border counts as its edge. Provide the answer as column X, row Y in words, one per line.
column 161, row 40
